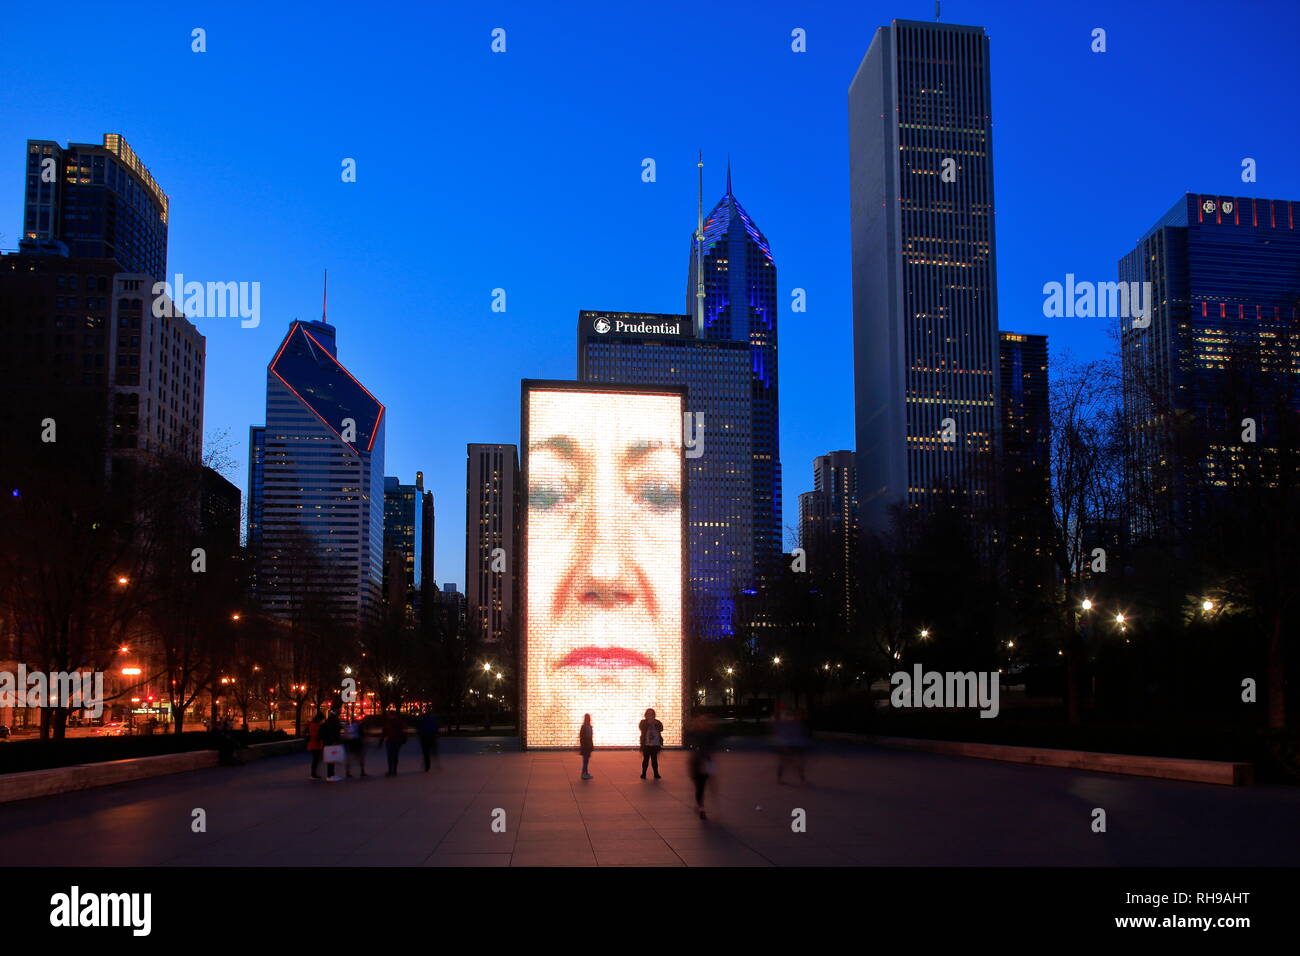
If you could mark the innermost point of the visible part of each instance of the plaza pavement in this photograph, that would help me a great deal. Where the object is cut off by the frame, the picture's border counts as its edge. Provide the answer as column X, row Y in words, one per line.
column 863, row 807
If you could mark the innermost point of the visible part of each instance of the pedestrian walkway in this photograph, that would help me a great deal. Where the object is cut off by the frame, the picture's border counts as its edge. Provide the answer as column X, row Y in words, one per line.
column 861, row 807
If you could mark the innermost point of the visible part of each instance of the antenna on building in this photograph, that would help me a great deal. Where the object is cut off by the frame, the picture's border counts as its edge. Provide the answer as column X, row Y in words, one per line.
column 699, row 255
column 324, row 299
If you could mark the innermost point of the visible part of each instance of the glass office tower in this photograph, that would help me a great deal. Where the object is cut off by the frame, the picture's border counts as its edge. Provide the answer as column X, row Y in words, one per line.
column 404, row 543
column 316, row 503
column 925, row 329
column 99, row 200
column 740, row 306
column 1222, row 343
column 657, row 349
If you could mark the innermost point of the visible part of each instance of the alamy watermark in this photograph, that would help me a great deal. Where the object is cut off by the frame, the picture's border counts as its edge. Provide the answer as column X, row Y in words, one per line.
column 1101, row 300
column 209, row 300
column 74, row 690
column 923, row 688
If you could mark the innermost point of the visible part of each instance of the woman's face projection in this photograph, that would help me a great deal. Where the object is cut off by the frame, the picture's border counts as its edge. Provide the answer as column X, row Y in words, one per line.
column 604, row 565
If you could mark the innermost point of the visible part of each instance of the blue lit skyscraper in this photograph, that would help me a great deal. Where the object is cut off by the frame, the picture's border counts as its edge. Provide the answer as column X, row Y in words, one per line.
column 739, row 305
column 316, row 485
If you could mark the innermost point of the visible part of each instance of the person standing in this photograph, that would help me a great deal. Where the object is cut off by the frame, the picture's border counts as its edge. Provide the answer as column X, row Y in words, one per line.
column 586, row 744
column 331, row 733
column 702, row 740
column 427, row 727
column 354, row 744
column 652, row 741
column 314, row 746
column 392, row 737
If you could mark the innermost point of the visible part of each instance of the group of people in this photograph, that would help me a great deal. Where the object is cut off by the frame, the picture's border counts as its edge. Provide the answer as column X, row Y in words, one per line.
column 333, row 742
column 700, row 738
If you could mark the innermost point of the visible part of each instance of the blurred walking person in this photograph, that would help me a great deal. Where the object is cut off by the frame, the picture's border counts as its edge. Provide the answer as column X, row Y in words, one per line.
column 427, row 728
column 314, row 746
column 791, row 742
column 354, row 744
column 331, row 735
column 586, row 744
column 702, row 739
column 652, row 741
column 392, row 737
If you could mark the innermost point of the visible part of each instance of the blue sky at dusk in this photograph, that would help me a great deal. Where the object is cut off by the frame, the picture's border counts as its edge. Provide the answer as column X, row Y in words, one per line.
column 522, row 171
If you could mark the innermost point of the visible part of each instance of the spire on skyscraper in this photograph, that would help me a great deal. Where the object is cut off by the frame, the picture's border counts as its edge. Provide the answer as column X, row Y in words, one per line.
column 699, row 251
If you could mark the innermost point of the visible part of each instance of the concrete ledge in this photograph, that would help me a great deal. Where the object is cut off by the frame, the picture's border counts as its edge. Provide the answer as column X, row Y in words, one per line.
column 42, row 783
column 276, row 748
column 1169, row 768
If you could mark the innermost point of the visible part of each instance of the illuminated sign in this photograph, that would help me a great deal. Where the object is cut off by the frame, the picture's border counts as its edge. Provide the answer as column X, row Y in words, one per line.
column 635, row 323
column 604, row 562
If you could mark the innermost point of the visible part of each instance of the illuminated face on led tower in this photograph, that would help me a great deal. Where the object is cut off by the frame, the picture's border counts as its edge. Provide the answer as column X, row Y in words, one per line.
column 604, row 569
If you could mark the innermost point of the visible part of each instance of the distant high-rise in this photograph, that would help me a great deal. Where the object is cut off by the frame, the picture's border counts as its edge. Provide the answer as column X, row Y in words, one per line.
column 79, row 339
column 829, row 528
column 1026, row 458
column 100, row 201
column 657, row 349
column 740, row 305
column 405, row 545
column 925, row 330
column 491, row 538
column 316, row 504
column 1221, row 344
column 80, row 343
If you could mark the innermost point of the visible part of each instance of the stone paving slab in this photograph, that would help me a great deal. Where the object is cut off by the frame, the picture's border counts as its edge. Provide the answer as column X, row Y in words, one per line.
column 862, row 807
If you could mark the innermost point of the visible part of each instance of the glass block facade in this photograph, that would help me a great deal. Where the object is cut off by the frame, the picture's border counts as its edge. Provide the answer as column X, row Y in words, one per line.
column 316, row 504
column 719, row 482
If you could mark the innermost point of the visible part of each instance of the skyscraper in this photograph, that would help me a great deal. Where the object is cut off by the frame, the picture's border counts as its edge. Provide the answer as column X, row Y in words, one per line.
column 405, row 544
column 316, row 507
column 491, row 537
column 656, row 349
column 829, row 527
column 734, row 262
column 80, row 341
column 1220, row 345
column 100, row 201
column 1026, row 458
column 925, row 331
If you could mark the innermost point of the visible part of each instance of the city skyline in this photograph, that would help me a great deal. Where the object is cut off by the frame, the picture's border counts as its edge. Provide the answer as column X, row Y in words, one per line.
column 239, row 213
